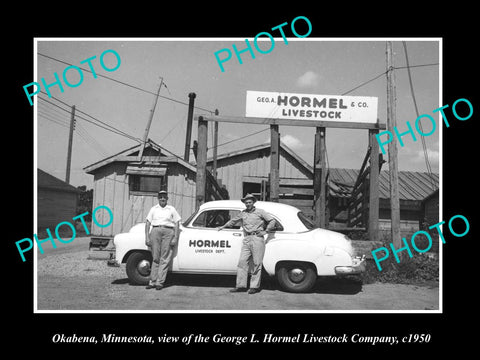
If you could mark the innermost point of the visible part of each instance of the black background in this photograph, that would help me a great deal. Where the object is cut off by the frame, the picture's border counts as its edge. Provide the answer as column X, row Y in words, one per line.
column 450, row 330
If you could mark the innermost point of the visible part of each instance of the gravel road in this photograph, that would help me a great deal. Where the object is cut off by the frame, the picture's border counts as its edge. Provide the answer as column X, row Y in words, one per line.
column 68, row 280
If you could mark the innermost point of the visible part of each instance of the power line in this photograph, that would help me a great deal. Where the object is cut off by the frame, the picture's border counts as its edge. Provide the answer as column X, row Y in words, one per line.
column 243, row 137
column 91, row 140
column 408, row 67
column 364, row 83
column 52, row 120
column 126, row 84
column 104, row 126
column 424, row 146
column 47, row 112
column 415, row 66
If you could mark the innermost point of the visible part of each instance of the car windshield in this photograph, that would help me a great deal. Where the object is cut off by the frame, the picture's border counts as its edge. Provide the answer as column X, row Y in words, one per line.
column 306, row 221
column 185, row 223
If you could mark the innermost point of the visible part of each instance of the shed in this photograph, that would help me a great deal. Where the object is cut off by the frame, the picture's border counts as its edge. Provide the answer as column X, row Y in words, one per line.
column 56, row 200
column 129, row 187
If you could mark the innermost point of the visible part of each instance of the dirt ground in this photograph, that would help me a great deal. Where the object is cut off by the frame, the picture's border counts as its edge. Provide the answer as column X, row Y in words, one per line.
column 69, row 280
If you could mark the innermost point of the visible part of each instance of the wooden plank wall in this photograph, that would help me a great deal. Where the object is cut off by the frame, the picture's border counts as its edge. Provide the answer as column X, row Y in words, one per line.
column 54, row 207
column 255, row 164
column 181, row 189
column 111, row 188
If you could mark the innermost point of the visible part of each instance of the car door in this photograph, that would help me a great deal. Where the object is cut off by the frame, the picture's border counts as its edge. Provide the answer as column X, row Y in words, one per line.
column 202, row 248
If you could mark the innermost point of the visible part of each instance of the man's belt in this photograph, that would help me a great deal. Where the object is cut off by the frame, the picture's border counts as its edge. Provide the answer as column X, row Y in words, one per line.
column 253, row 232
column 163, row 226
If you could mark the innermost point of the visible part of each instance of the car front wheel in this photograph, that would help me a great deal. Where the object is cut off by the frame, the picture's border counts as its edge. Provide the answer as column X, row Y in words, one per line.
column 138, row 267
column 296, row 276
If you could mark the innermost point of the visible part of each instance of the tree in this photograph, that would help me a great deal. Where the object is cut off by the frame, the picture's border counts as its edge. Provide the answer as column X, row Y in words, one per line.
column 85, row 202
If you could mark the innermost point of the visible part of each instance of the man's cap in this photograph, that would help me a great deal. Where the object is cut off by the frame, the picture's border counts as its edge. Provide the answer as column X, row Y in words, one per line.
column 162, row 192
column 248, row 196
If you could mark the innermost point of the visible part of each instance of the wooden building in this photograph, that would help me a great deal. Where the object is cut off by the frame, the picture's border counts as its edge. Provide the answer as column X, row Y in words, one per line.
column 129, row 186
column 430, row 211
column 248, row 170
column 413, row 188
column 56, row 200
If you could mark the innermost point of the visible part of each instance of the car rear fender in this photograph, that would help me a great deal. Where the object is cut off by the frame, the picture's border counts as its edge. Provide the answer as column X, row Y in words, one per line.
column 288, row 250
column 324, row 258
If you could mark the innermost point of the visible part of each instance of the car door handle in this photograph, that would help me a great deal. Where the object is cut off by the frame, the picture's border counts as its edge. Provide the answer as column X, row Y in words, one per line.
column 237, row 234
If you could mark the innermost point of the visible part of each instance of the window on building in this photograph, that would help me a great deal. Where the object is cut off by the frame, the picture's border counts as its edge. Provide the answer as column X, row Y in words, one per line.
column 146, row 180
column 147, row 184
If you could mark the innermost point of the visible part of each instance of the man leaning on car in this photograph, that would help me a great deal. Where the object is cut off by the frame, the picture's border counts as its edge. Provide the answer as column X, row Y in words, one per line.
column 253, row 247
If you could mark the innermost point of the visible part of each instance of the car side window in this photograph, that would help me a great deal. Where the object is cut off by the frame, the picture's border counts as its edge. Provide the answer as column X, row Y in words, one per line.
column 215, row 218
column 278, row 226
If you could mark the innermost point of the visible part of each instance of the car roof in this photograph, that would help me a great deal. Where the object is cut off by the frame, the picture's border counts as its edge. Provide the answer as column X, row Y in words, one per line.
column 287, row 214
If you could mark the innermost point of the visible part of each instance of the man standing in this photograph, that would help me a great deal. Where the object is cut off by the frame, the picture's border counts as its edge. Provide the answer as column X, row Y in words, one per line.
column 253, row 247
column 164, row 220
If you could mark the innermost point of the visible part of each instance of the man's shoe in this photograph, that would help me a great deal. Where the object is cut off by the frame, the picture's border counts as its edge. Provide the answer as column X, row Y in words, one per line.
column 253, row 291
column 235, row 290
column 150, row 286
column 158, row 287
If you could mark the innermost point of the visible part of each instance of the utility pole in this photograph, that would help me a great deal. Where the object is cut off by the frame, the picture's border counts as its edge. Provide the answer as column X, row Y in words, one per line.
column 150, row 118
column 188, row 139
column 215, row 145
column 392, row 150
column 320, row 178
column 274, row 163
column 201, row 162
column 70, row 141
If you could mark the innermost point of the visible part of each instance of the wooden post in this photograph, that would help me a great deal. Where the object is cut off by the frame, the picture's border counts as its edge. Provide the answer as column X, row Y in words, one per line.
column 274, row 163
column 374, row 204
column 149, row 122
column 70, row 143
column 201, row 162
column 215, row 144
column 319, row 178
column 188, row 138
column 392, row 150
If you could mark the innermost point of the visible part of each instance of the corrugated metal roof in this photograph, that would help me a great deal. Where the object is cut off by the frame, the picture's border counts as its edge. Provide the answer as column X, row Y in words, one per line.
column 411, row 185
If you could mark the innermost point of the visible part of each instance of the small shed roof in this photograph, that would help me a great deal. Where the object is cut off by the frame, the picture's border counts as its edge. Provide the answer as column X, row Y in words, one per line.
column 162, row 155
column 47, row 181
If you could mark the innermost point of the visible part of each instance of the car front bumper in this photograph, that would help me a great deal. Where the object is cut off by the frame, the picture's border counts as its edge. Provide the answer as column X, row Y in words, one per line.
column 358, row 266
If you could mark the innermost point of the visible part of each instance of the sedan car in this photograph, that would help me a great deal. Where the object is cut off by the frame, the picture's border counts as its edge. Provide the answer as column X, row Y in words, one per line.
column 296, row 251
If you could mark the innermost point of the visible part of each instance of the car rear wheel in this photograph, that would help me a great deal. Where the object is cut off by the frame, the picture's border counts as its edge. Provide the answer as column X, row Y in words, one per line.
column 296, row 276
column 138, row 267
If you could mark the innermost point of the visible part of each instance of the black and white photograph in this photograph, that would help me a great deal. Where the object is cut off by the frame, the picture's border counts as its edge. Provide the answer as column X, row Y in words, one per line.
column 136, row 117
column 242, row 182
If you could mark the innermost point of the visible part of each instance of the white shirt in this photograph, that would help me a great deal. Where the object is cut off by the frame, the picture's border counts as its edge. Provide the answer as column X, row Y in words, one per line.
column 166, row 216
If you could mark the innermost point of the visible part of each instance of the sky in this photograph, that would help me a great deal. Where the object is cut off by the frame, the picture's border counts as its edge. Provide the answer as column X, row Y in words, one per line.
column 307, row 66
